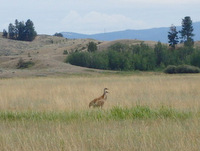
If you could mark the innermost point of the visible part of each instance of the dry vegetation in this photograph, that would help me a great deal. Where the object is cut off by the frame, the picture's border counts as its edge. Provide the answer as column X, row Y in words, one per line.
column 51, row 113
column 74, row 93
column 47, row 54
column 40, row 98
column 129, row 135
column 45, row 51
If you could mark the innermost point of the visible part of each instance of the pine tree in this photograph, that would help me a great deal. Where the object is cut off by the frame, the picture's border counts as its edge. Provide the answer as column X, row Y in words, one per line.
column 30, row 32
column 186, row 32
column 92, row 46
column 158, row 50
column 16, row 29
column 21, row 31
column 58, row 35
column 173, row 37
column 11, row 31
column 5, row 33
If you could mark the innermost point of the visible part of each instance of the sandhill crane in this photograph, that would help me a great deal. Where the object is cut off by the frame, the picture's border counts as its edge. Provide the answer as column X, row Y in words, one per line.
column 99, row 102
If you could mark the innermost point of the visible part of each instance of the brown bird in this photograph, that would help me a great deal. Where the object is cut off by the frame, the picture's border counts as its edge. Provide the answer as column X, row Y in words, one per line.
column 99, row 102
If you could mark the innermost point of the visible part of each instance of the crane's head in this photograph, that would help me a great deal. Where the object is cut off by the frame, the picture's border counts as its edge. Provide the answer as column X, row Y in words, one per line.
column 105, row 90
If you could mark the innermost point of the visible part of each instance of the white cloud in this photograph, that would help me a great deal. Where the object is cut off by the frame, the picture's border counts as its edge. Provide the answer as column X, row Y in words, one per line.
column 92, row 16
column 95, row 22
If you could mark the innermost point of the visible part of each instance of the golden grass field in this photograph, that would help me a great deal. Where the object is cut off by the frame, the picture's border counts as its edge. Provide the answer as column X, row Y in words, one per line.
column 72, row 94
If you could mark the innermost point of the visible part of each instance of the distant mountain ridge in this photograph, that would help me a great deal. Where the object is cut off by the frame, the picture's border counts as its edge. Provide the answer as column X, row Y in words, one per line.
column 153, row 34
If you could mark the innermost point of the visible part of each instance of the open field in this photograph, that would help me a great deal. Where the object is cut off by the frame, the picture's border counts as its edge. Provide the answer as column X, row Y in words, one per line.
column 143, row 112
column 74, row 93
column 45, row 107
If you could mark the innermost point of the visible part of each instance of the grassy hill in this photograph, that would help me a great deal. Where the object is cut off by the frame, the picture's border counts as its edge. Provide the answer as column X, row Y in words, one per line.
column 47, row 54
column 45, row 51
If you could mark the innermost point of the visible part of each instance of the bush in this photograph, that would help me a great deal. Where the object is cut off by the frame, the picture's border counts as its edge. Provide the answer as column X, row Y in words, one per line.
column 170, row 69
column 24, row 64
column 187, row 69
column 65, row 52
column 182, row 69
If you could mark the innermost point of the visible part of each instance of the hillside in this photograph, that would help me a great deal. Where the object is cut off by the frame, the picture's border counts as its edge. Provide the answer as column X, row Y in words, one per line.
column 154, row 34
column 47, row 54
column 45, row 51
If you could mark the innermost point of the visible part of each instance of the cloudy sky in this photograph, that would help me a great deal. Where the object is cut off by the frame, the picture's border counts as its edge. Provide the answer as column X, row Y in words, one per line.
column 97, row 16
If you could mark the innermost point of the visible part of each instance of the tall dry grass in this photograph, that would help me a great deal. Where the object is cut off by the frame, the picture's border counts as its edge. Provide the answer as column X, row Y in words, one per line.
column 128, row 135
column 74, row 93
column 180, row 92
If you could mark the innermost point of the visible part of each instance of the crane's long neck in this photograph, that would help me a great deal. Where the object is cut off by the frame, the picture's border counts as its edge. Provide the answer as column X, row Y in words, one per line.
column 105, row 95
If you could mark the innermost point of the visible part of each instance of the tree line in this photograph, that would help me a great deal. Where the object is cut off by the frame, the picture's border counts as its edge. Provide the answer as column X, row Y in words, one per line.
column 143, row 57
column 136, row 57
column 21, row 31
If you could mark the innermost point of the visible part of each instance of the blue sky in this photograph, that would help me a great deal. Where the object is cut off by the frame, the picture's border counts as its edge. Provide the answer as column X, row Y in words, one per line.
column 97, row 16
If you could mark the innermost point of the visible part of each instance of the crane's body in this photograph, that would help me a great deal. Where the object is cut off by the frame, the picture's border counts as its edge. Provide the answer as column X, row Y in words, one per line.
column 99, row 102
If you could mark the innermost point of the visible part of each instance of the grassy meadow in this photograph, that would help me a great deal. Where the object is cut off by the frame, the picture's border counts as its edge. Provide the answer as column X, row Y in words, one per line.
column 143, row 112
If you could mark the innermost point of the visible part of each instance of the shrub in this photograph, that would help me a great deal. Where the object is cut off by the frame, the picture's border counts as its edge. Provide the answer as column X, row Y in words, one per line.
column 182, row 69
column 170, row 69
column 24, row 64
column 187, row 69
column 65, row 52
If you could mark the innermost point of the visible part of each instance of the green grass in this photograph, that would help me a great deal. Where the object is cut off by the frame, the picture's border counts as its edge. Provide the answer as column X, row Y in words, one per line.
column 116, row 113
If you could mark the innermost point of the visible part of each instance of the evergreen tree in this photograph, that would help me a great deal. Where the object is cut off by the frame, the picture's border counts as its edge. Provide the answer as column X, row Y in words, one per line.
column 92, row 46
column 158, row 50
column 30, row 32
column 16, row 28
column 58, row 34
column 11, row 31
column 186, row 32
column 173, row 37
column 21, row 31
column 5, row 33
